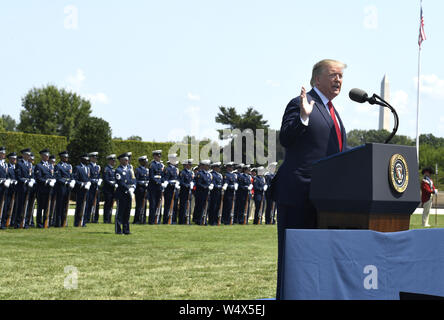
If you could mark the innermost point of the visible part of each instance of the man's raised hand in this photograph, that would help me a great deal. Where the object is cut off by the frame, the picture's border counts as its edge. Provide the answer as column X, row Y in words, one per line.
column 306, row 108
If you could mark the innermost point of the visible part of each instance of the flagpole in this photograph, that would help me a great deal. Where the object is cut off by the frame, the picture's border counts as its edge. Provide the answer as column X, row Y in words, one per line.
column 417, row 104
column 421, row 38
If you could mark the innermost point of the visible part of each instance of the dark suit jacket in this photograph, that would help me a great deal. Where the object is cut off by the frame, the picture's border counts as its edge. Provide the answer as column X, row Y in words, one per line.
column 304, row 145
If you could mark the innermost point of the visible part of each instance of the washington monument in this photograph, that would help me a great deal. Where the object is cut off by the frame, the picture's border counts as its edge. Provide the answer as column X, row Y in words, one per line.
column 384, row 113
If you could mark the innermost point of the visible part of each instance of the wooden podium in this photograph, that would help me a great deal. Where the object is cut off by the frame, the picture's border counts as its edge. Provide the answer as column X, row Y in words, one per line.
column 374, row 187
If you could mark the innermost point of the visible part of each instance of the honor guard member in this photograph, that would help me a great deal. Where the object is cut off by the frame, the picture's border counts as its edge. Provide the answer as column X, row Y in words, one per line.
column 245, row 187
column 230, row 187
column 155, row 185
column 92, row 207
column 202, row 196
column 65, row 183
column 215, row 194
column 25, row 177
column 142, row 179
column 33, row 194
column 82, row 176
column 44, row 176
column 259, row 193
column 126, row 186
column 109, row 187
column 270, row 208
column 52, row 163
column 172, row 187
column 5, row 182
column 237, row 206
column 186, row 180
column 10, row 202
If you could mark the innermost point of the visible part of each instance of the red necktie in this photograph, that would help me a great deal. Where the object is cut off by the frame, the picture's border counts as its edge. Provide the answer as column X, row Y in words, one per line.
column 338, row 131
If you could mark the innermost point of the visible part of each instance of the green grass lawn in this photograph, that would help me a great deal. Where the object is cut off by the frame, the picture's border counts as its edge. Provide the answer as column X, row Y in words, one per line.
column 154, row 262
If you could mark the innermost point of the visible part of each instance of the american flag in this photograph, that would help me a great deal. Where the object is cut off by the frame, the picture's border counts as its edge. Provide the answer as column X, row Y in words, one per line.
column 422, row 35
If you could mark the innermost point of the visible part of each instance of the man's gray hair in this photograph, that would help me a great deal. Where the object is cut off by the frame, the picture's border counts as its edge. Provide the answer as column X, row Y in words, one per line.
column 319, row 67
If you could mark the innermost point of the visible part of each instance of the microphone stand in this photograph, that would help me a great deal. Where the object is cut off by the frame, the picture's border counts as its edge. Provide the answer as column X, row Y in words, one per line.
column 385, row 104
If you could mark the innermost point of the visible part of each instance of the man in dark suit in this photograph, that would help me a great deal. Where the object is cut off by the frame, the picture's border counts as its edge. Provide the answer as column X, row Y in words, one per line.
column 311, row 130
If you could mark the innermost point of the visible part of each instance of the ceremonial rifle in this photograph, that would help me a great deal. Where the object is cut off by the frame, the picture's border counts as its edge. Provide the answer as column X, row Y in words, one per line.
column 246, row 208
column 11, row 208
column 159, row 206
column 171, row 209
column 188, row 209
column 83, row 208
column 261, row 209
column 204, row 213
column 94, row 204
column 65, row 213
column 143, row 211
column 2, row 204
column 219, row 215
column 53, row 208
column 232, row 208
column 25, row 209
column 273, row 207
column 48, row 209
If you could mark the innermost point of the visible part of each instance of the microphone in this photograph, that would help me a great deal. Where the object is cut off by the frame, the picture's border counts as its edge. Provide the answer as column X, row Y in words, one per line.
column 361, row 96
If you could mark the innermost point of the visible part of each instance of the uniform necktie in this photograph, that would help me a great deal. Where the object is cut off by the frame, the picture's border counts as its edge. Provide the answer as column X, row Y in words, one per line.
column 338, row 131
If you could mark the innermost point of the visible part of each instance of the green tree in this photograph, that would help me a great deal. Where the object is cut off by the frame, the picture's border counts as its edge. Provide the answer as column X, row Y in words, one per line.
column 359, row 137
column 93, row 135
column 53, row 111
column 135, row 138
column 8, row 123
column 250, row 120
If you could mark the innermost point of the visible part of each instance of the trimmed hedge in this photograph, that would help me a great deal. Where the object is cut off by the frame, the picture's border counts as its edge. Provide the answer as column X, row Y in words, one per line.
column 16, row 141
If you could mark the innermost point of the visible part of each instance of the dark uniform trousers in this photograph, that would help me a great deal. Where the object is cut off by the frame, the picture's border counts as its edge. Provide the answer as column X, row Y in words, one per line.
column 123, row 213
column 169, row 191
column 228, row 206
column 62, row 193
column 214, row 205
column 201, row 197
column 108, row 192
column 155, row 199
column 43, row 172
column 184, row 205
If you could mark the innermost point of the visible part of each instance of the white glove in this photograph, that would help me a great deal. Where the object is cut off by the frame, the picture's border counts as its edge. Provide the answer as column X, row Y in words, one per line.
column 131, row 191
column 211, row 187
column 31, row 183
column 7, row 183
column 15, row 182
column 191, row 185
column 177, row 185
column 87, row 185
column 99, row 183
column 72, row 184
column 116, row 186
column 436, row 191
column 165, row 184
column 225, row 186
column 52, row 183
column 236, row 186
column 250, row 187
column 265, row 187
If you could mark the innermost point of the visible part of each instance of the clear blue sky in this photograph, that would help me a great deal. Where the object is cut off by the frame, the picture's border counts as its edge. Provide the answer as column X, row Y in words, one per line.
column 160, row 69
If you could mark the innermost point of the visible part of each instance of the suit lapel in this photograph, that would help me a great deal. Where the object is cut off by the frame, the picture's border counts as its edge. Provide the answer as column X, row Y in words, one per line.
column 321, row 108
column 327, row 117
